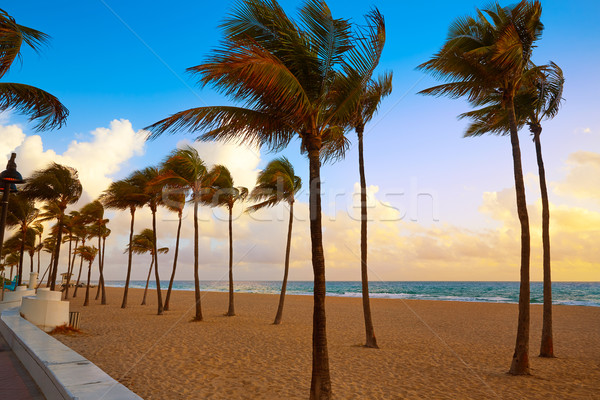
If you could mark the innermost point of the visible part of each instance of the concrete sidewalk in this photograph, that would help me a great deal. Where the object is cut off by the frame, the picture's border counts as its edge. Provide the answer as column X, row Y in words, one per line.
column 15, row 382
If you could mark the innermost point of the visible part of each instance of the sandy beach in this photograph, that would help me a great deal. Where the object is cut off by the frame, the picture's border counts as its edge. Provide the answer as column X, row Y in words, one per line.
column 429, row 349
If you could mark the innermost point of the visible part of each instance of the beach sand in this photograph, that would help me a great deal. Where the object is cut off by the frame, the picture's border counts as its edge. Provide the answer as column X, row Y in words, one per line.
column 429, row 349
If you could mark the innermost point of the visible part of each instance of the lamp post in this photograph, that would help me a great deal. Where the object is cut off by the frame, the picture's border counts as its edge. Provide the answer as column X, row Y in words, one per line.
column 9, row 178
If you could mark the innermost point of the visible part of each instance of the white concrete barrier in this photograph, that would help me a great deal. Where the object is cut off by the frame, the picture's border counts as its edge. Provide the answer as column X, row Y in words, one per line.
column 60, row 372
column 46, row 310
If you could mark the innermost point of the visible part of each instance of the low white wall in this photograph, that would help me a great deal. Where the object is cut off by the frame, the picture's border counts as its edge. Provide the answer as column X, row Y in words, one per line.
column 60, row 372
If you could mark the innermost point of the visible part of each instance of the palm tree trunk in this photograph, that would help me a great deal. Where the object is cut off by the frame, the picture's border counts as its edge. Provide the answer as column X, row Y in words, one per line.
column 31, row 262
column 69, row 262
column 45, row 272
column 38, row 259
column 78, row 276
column 520, row 361
column 103, row 301
column 130, row 255
column 101, row 275
column 20, row 269
column 547, row 345
column 198, row 316
column 174, row 264
column 231, row 309
column 87, row 287
column 371, row 341
column 158, row 292
column 286, row 267
column 148, row 281
column 320, row 386
column 71, row 268
column 57, row 252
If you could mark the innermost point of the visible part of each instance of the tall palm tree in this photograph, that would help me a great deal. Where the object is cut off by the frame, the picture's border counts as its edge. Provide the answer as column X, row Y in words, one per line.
column 174, row 200
column 539, row 99
column 49, row 246
column 143, row 243
column 185, row 170
column 38, row 104
column 489, row 53
column 59, row 186
column 87, row 253
column 22, row 214
column 125, row 194
column 374, row 91
column 75, row 223
column 94, row 211
column 40, row 246
column 287, row 74
column 224, row 193
column 84, row 234
column 276, row 183
column 145, row 178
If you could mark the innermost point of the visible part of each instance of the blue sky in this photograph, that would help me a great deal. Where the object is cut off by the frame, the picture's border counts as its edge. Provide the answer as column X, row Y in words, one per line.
column 126, row 60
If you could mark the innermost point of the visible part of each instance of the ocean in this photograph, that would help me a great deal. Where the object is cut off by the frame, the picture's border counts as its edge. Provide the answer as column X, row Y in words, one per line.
column 567, row 293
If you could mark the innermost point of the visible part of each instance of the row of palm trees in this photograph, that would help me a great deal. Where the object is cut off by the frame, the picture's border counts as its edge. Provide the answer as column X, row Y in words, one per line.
column 311, row 78
column 56, row 187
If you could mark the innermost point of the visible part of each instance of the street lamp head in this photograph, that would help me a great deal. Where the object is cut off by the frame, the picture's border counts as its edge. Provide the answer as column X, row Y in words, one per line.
column 12, row 189
column 10, row 174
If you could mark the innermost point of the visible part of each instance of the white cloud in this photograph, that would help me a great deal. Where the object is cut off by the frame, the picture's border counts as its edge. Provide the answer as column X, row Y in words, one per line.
column 96, row 160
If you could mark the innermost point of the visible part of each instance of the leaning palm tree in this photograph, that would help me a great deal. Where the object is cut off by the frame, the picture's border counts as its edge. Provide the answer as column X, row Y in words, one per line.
column 276, row 183
column 539, row 99
column 289, row 77
column 38, row 104
column 374, row 92
column 84, row 234
column 59, row 187
column 125, row 194
column 185, row 170
column 173, row 200
column 23, row 215
column 145, row 178
column 143, row 243
column 224, row 193
column 87, row 253
column 485, row 54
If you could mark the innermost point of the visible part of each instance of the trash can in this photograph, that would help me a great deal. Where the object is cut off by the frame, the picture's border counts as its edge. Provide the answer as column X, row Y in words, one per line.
column 74, row 319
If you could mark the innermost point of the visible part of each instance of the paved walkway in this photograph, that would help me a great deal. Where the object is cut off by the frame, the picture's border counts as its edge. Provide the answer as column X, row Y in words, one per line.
column 15, row 382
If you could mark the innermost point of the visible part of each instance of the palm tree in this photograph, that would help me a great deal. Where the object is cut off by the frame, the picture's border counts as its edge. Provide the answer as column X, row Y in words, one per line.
column 287, row 75
column 39, row 231
column 185, row 170
column 94, row 212
column 87, row 253
column 224, row 193
column 125, row 194
column 374, row 92
column 22, row 214
column 144, row 243
column 49, row 246
column 38, row 104
column 145, row 178
column 539, row 99
column 74, row 224
column 278, row 182
column 84, row 234
column 173, row 200
column 59, row 186
column 482, row 57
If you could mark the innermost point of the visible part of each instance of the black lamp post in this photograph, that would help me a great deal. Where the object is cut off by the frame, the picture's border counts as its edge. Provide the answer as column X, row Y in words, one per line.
column 9, row 178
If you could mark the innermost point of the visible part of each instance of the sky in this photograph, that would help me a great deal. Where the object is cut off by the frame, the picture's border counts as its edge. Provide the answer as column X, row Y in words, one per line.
column 441, row 207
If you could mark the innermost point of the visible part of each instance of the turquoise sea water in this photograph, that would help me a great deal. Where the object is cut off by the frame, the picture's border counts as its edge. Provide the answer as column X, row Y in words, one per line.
column 568, row 293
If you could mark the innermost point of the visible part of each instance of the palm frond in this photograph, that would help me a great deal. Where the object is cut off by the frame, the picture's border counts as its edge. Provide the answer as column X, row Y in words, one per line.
column 49, row 112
